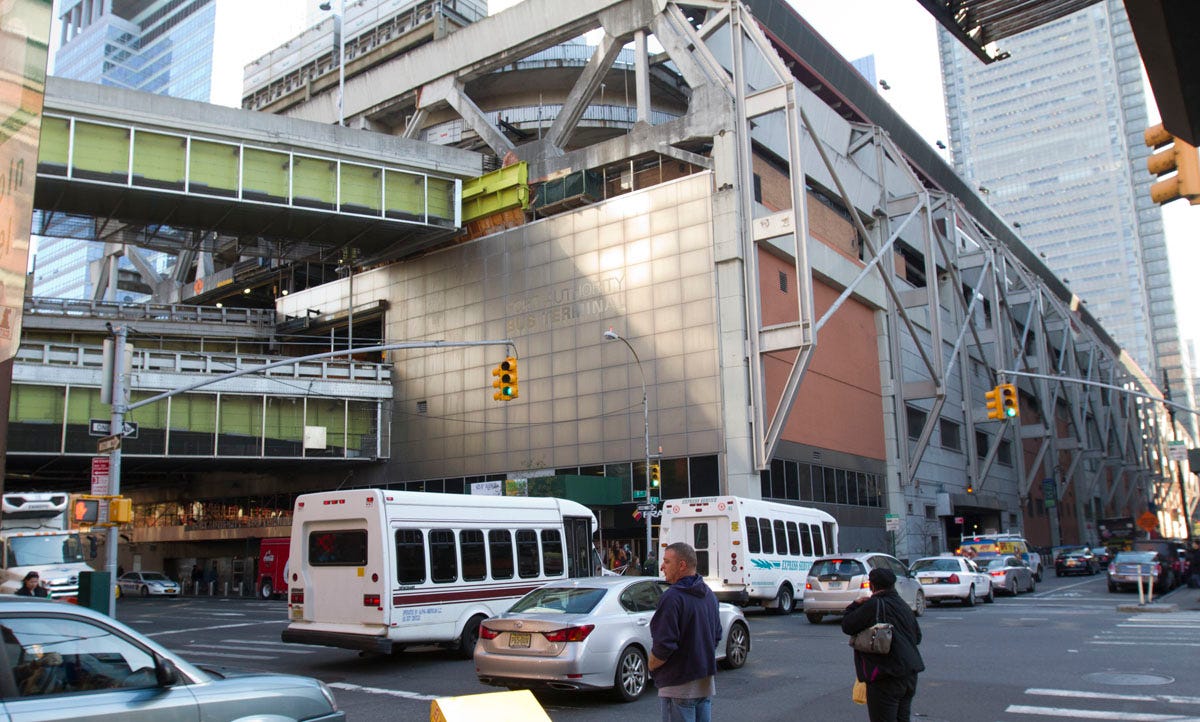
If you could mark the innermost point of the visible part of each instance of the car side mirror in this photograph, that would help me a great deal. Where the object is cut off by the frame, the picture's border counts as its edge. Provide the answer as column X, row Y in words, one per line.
column 165, row 672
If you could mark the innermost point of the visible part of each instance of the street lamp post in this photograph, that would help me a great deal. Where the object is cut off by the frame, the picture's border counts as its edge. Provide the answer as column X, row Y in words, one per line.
column 612, row 335
column 340, row 28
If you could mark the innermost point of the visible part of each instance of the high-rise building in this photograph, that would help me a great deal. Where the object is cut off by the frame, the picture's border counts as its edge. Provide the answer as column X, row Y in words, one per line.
column 161, row 46
column 1053, row 137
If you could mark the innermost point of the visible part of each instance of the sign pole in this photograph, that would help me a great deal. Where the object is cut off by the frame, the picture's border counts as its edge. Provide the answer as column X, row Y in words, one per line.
column 114, row 475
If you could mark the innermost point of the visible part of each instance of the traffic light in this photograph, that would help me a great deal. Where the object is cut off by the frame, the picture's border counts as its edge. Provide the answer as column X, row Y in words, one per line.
column 505, row 382
column 120, row 510
column 1180, row 158
column 994, row 409
column 85, row 510
column 655, row 475
column 1008, row 401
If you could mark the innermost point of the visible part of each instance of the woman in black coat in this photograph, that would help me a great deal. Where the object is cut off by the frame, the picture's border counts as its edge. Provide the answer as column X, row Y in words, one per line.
column 891, row 678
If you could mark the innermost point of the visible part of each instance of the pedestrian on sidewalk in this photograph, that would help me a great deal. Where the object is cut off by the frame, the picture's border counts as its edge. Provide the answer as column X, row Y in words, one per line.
column 891, row 678
column 684, row 632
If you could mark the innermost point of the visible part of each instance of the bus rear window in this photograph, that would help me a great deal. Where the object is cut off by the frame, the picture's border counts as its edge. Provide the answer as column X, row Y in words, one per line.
column 343, row 548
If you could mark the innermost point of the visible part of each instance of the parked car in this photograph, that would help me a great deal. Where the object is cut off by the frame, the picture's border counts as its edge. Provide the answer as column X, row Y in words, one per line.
column 835, row 581
column 587, row 634
column 1171, row 553
column 952, row 578
column 1076, row 561
column 1126, row 567
column 147, row 584
column 69, row 662
column 1011, row 575
column 1103, row 556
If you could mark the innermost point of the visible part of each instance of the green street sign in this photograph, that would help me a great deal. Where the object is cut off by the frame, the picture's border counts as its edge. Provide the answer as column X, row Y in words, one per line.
column 654, row 500
column 639, row 494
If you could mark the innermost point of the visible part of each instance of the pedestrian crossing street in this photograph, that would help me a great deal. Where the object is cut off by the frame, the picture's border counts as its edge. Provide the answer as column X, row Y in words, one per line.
column 1129, row 694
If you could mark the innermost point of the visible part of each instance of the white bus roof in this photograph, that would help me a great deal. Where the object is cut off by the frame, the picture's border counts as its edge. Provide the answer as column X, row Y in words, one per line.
column 754, row 505
column 434, row 499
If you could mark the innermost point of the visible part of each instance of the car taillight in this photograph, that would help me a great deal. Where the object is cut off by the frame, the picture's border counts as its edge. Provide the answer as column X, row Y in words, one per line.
column 297, row 596
column 808, row 585
column 486, row 633
column 1157, row 569
column 570, row 634
column 999, row 573
column 866, row 584
column 370, row 600
column 953, row 579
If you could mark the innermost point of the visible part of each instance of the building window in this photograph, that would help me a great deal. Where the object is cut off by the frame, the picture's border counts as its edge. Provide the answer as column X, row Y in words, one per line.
column 930, row 511
column 1004, row 453
column 981, row 444
column 951, row 435
column 916, row 421
column 757, row 188
column 783, row 281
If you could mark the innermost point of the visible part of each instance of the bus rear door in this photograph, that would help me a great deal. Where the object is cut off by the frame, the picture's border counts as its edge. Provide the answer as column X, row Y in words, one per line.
column 344, row 573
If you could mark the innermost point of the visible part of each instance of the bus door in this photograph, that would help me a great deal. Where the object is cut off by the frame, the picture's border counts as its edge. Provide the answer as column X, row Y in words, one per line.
column 578, row 530
column 339, row 561
column 708, row 535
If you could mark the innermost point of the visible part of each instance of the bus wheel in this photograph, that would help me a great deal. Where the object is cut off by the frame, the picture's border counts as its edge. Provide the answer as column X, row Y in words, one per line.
column 470, row 635
column 784, row 602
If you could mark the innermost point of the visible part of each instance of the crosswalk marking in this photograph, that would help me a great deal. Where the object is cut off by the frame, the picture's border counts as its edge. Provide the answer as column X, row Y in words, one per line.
column 225, row 655
column 379, row 690
column 1168, row 698
column 1097, row 714
column 265, row 643
column 273, row 651
column 209, row 628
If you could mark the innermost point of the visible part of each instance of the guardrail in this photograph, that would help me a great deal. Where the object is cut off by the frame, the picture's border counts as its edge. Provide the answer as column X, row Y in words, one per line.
column 174, row 312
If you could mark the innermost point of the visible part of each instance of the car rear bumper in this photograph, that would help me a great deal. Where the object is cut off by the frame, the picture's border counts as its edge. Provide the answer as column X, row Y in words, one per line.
column 564, row 672
column 341, row 640
column 948, row 591
column 830, row 602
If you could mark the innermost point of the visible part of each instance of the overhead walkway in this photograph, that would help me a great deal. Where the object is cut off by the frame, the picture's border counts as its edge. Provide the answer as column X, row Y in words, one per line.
column 116, row 155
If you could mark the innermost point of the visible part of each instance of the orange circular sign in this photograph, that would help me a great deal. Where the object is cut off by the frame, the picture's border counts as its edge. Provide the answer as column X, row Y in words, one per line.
column 1148, row 521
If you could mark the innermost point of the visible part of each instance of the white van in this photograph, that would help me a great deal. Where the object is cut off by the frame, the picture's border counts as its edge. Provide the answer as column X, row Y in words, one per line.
column 751, row 551
column 377, row 570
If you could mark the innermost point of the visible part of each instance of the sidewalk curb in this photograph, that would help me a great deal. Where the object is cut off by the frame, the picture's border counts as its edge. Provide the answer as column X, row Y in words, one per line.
column 1150, row 608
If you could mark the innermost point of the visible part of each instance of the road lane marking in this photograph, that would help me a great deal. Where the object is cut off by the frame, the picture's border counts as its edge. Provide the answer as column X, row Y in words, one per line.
column 224, row 655
column 1169, row 698
column 379, row 690
column 215, row 626
column 1150, row 644
column 272, row 651
column 1097, row 714
column 288, row 645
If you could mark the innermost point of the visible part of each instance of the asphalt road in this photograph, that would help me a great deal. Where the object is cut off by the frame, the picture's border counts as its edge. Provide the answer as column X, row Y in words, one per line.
column 1064, row 652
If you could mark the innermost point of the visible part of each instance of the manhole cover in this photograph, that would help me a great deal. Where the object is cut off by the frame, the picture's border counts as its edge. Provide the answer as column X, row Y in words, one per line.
column 1128, row 678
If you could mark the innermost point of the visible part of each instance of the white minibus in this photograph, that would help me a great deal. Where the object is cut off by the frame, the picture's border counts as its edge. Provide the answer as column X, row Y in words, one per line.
column 378, row 570
column 751, row 551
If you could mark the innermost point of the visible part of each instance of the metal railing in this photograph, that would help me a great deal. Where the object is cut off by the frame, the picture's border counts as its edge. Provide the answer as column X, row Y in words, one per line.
column 180, row 313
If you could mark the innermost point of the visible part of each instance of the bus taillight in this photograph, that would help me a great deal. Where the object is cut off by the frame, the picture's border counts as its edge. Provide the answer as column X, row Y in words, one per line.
column 370, row 600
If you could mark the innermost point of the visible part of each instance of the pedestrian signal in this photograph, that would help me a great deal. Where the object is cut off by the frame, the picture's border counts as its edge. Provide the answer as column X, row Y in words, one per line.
column 85, row 510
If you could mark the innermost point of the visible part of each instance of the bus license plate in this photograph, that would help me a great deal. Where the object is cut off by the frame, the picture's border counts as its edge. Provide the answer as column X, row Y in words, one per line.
column 834, row 585
column 518, row 640
column 297, row 613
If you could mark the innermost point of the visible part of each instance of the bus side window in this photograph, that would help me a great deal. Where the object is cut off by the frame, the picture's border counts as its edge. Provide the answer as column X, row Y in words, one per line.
column 500, row 549
column 830, row 540
column 793, row 535
column 443, row 556
column 410, row 556
column 474, row 562
column 764, row 529
column 752, row 535
column 527, row 554
column 552, row 557
column 806, row 540
column 781, row 541
column 818, row 547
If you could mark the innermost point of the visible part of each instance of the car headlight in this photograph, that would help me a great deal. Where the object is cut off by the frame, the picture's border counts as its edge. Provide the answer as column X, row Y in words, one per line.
column 328, row 695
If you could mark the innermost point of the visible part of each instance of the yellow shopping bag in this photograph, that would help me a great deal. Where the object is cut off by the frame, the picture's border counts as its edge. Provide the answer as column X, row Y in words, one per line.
column 860, row 693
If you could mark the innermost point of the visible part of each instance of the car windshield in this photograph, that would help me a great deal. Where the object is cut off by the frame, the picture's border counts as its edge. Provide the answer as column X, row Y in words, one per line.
column 155, row 577
column 1134, row 558
column 936, row 565
column 840, row 567
column 24, row 551
column 559, row 600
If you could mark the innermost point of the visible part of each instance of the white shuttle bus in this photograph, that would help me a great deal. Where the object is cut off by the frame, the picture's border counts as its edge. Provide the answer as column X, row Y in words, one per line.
column 377, row 570
column 751, row 551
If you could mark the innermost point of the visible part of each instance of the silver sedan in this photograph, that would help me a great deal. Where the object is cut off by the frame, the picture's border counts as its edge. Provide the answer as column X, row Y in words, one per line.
column 1010, row 575
column 587, row 634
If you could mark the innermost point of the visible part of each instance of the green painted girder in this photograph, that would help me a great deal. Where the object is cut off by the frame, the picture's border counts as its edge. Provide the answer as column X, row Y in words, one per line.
column 497, row 191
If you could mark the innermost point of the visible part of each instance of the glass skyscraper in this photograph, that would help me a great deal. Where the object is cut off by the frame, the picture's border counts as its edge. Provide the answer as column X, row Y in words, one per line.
column 156, row 46
column 1053, row 137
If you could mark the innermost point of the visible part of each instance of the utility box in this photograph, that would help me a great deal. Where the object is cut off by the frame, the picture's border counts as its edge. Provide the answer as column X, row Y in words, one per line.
column 93, row 590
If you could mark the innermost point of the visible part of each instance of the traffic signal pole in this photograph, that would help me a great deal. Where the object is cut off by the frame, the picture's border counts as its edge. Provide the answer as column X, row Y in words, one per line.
column 120, row 408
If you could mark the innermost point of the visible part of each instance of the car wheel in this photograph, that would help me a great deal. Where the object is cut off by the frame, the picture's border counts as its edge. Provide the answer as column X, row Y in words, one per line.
column 1057, row 573
column 1112, row 588
column 470, row 635
column 1012, row 587
column 145, row 591
column 629, row 682
column 920, row 605
column 969, row 600
column 1038, row 575
column 1033, row 584
column 814, row 617
column 784, row 601
column 991, row 595
column 737, row 646
column 267, row 589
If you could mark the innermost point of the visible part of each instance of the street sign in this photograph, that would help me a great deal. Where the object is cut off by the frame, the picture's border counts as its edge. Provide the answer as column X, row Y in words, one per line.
column 958, row 520
column 108, row 443
column 891, row 522
column 639, row 493
column 645, row 507
column 100, row 427
column 100, row 469
column 1177, row 450
column 654, row 500
column 1049, row 492
column 1148, row 521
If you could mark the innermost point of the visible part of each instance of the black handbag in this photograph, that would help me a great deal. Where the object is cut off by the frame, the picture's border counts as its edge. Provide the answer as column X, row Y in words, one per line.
column 876, row 639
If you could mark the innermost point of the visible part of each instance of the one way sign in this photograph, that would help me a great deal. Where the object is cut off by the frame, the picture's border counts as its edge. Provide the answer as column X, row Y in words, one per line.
column 100, row 427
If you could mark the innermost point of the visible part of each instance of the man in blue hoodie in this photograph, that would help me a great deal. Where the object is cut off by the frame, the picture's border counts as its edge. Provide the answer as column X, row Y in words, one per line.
column 685, row 631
